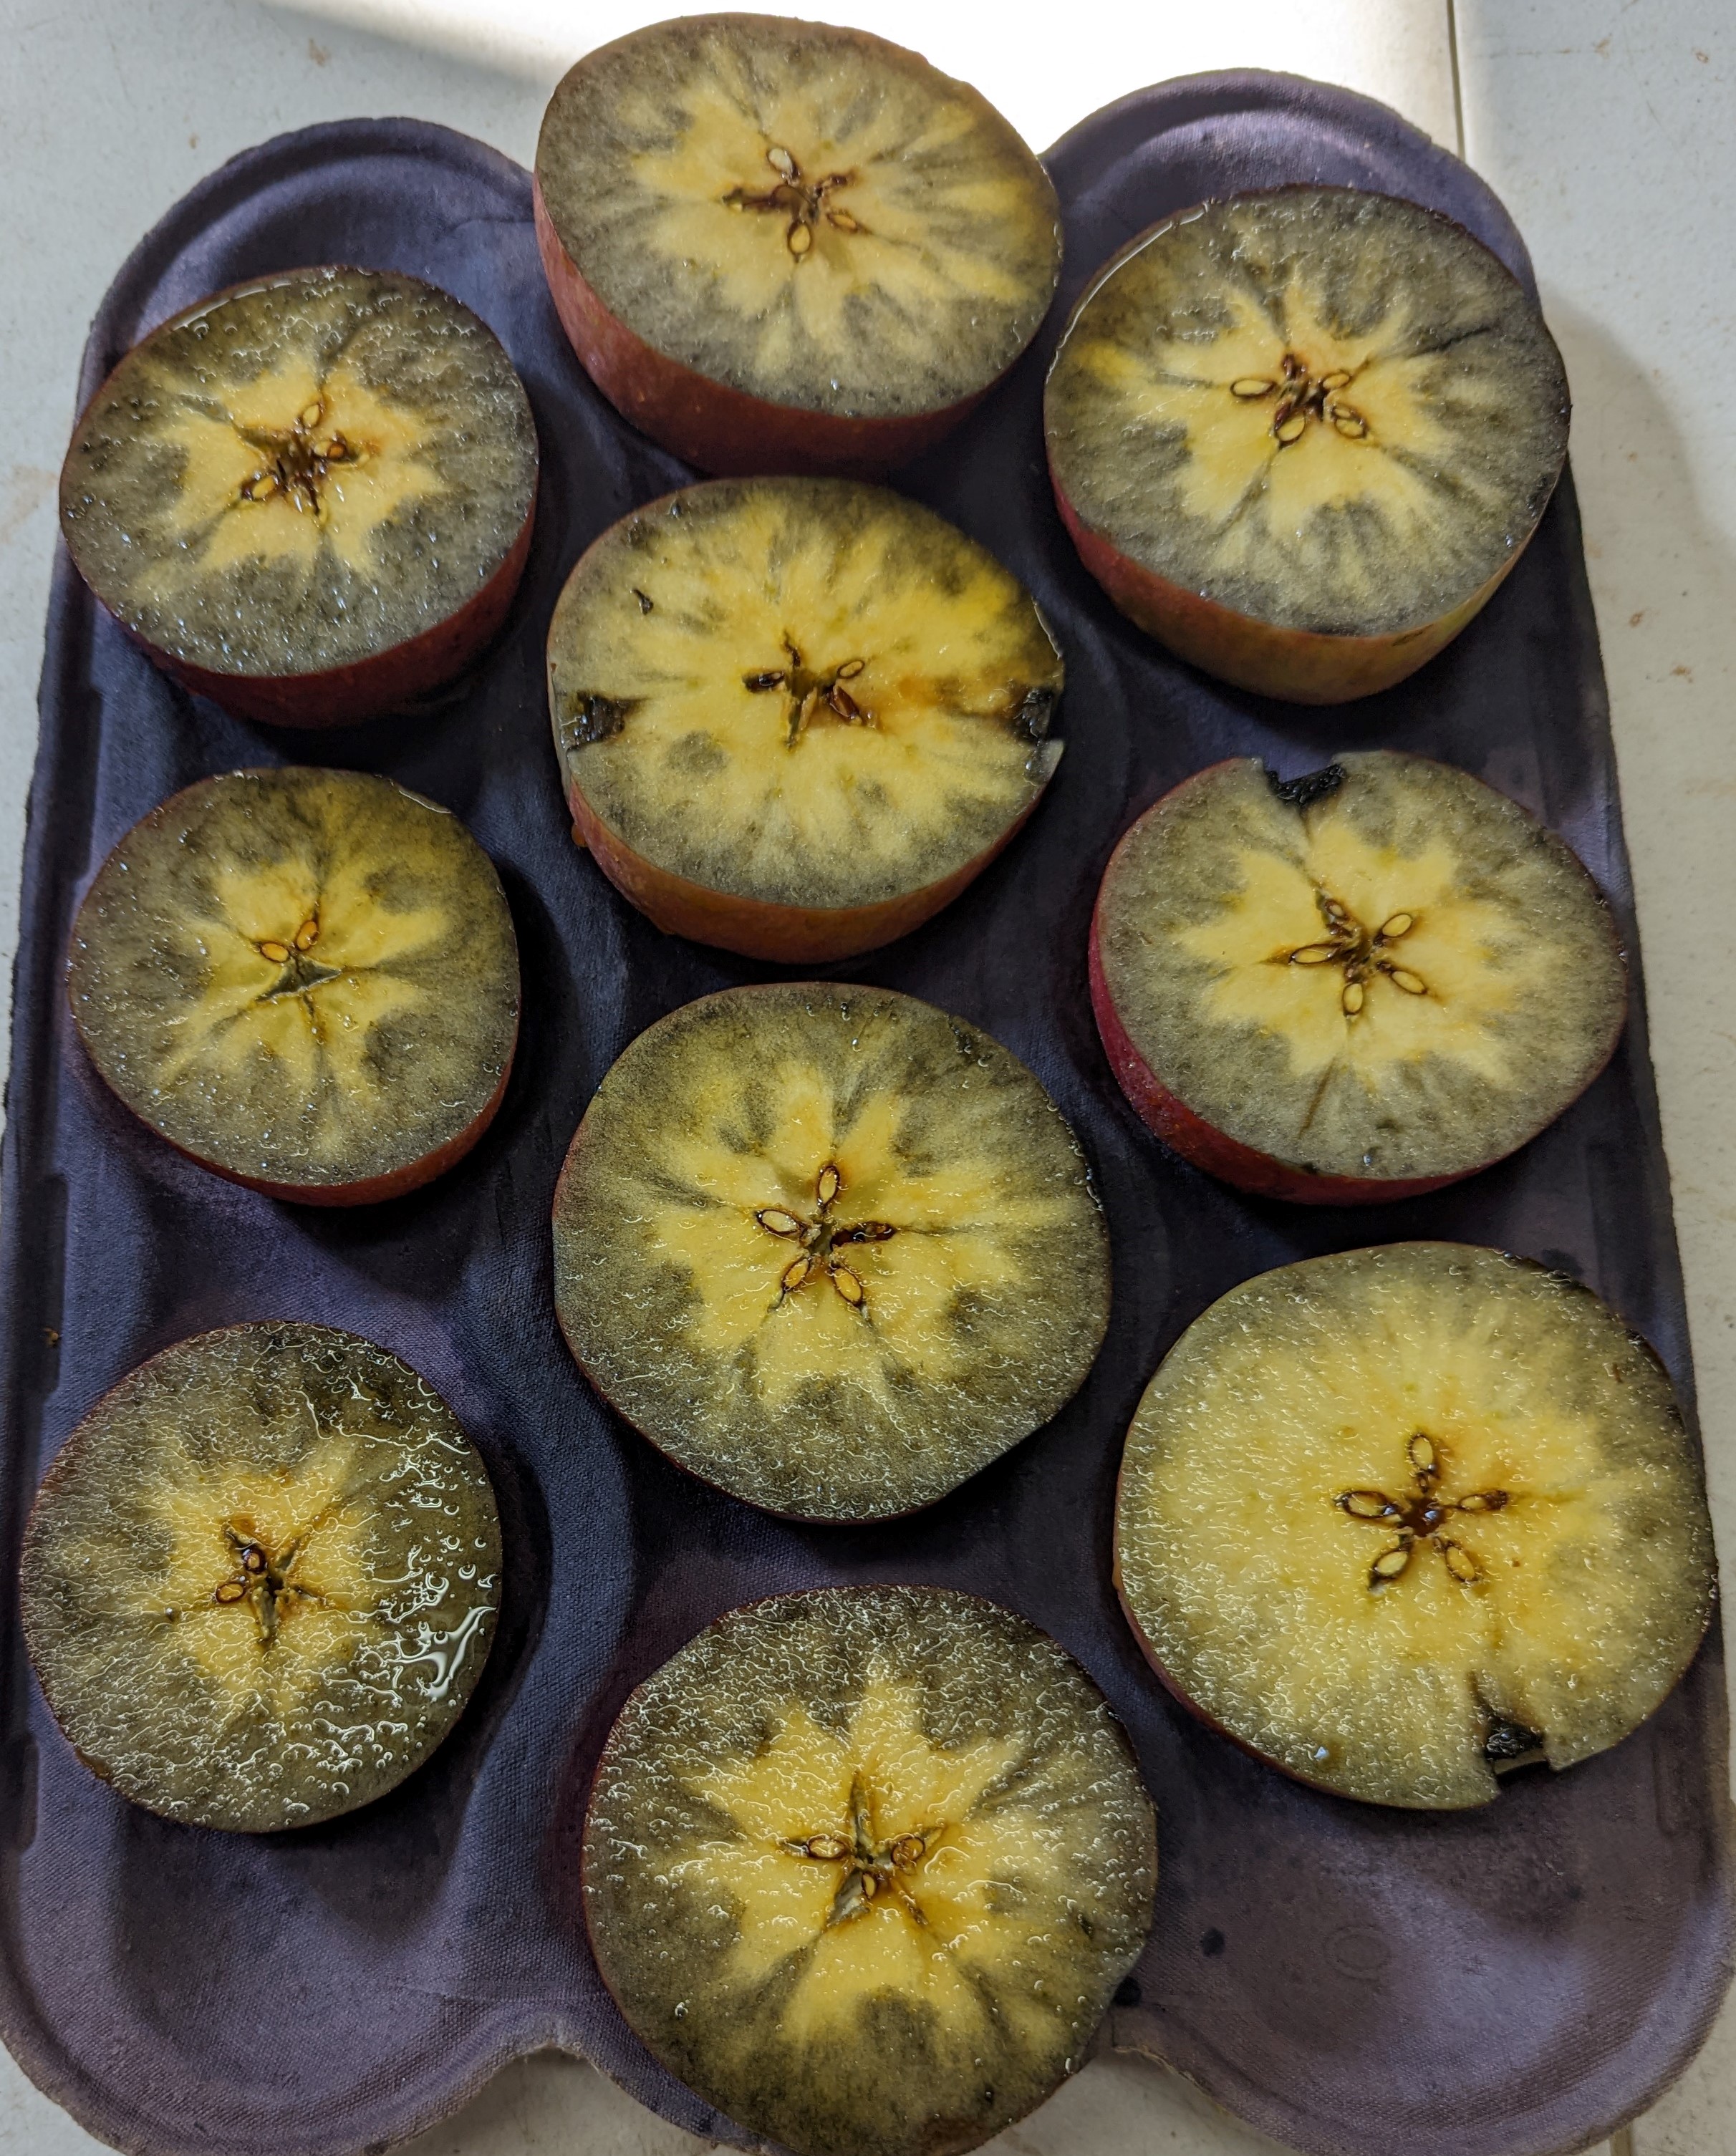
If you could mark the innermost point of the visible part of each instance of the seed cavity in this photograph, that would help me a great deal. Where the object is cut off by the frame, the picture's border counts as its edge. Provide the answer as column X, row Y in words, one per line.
column 800, row 201
column 1422, row 1514
column 1303, row 396
column 1364, row 957
column 821, row 1236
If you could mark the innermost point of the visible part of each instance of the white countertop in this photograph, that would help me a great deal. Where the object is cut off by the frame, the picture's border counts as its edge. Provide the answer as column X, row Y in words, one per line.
column 1609, row 127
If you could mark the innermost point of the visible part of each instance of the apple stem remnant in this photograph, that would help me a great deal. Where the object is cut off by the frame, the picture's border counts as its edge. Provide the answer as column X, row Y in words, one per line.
column 808, row 691
column 874, row 1866
column 1420, row 1517
column 804, row 202
column 1362, row 956
column 1303, row 396
column 820, row 1238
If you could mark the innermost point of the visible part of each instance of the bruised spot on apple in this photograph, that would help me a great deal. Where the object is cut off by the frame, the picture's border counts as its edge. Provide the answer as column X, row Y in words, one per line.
column 1353, row 987
column 306, row 981
column 849, row 1830
column 1301, row 436
column 795, row 717
column 778, row 246
column 309, row 498
column 1400, row 1520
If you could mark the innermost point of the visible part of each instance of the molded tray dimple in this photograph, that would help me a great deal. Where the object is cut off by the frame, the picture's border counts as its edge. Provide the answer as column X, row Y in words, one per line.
column 1517, row 1979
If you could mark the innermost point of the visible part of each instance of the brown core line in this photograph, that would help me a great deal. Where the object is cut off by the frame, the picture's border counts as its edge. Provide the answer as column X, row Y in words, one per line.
column 1303, row 395
column 294, row 462
column 1364, row 957
column 818, row 1238
column 873, row 1868
column 808, row 692
column 803, row 203
column 264, row 1582
column 1423, row 1513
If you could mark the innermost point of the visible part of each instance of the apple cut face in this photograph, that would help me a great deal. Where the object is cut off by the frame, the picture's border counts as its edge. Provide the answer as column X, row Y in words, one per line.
column 863, row 1867
column 1354, row 985
column 309, row 498
column 261, row 1578
column 1400, row 1518
column 796, row 716
column 1301, row 436
column 306, row 980
column 859, row 1233
column 779, row 246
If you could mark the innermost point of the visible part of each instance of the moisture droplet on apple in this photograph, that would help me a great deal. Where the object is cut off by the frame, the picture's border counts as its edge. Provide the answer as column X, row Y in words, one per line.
column 1357, row 985
column 796, row 716
column 1301, row 436
column 779, row 246
column 261, row 1578
column 860, row 1235
column 309, row 498
column 306, row 980
column 1398, row 1519
column 865, row 1866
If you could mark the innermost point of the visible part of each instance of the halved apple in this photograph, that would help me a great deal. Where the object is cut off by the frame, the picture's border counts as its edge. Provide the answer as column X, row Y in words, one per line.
column 865, row 1866
column 309, row 497
column 1301, row 436
column 796, row 717
column 1399, row 1519
column 1358, row 985
column 306, row 981
column 779, row 246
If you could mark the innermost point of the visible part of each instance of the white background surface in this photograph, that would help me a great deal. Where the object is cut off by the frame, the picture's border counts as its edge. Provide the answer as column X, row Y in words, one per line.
column 1609, row 127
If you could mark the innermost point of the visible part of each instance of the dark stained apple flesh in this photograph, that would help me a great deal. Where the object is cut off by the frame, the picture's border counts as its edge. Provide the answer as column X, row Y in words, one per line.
column 1398, row 1519
column 1301, row 436
column 306, row 980
column 309, row 497
column 865, row 1866
column 796, row 716
column 1355, row 985
column 781, row 247
column 261, row 1578
column 861, row 1236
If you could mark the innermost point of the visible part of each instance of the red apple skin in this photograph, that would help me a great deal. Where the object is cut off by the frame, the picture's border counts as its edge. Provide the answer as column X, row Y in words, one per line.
column 708, row 425
column 762, row 928
column 1301, row 665
column 372, row 1190
column 343, row 695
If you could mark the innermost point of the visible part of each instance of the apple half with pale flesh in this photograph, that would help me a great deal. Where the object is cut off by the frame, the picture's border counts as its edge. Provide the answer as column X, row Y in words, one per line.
column 304, row 980
column 779, row 246
column 1357, row 985
column 1301, row 436
column 859, row 1234
column 309, row 497
column 863, row 1867
column 795, row 717
column 1398, row 1520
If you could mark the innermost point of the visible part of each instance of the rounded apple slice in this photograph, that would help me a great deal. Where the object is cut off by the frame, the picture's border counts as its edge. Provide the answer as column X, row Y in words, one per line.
column 1301, row 436
column 1399, row 1518
column 309, row 497
column 863, row 1867
column 779, row 246
column 1357, row 985
column 306, row 980
column 796, row 716
column 261, row 1578
column 859, row 1232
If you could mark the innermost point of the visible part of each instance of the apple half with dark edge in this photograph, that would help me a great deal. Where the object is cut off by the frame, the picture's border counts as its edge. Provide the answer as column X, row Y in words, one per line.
column 795, row 717
column 1398, row 1520
column 778, row 246
column 859, row 1234
column 309, row 497
column 863, row 1867
column 1301, row 436
column 304, row 980
column 1351, row 987
column 261, row 1578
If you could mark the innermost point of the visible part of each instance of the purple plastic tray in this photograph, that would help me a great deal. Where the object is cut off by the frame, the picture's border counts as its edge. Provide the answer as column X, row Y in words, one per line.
column 1517, row 1979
